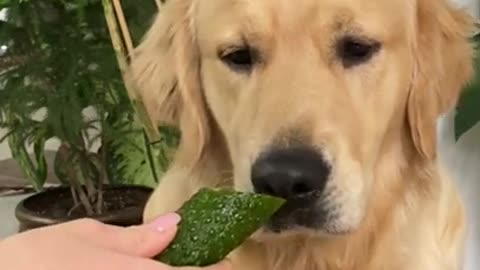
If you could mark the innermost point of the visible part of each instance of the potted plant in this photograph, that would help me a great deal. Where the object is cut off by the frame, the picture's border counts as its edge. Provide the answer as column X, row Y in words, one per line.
column 57, row 63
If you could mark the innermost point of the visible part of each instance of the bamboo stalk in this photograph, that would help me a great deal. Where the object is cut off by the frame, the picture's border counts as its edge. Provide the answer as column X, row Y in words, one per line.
column 119, row 48
column 123, row 26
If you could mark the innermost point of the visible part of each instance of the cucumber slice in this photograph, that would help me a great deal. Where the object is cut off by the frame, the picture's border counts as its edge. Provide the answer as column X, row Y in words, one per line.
column 215, row 222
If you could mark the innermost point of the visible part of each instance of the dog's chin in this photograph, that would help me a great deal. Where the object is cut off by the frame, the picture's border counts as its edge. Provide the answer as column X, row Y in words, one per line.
column 314, row 221
column 271, row 231
column 311, row 215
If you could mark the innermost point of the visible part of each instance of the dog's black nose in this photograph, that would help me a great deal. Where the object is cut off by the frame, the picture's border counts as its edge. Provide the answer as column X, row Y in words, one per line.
column 290, row 172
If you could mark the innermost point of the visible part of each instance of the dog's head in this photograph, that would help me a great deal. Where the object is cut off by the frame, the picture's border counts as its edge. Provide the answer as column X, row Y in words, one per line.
column 310, row 97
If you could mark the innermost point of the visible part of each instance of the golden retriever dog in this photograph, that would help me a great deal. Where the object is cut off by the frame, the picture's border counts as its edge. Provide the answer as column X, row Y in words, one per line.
column 330, row 104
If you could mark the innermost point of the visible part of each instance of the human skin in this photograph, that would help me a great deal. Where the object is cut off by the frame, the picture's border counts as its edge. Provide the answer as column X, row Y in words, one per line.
column 88, row 244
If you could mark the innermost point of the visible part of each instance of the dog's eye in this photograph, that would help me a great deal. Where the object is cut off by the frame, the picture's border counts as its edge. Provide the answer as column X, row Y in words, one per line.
column 353, row 51
column 239, row 59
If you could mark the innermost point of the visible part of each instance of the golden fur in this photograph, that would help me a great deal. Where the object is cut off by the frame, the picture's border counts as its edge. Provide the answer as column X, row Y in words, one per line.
column 376, row 122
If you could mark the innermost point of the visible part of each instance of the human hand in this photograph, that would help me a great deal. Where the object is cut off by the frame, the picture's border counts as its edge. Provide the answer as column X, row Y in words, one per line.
column 88, row 244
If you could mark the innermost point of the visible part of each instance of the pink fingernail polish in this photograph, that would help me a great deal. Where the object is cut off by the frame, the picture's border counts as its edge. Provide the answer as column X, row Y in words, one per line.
column 165, row 222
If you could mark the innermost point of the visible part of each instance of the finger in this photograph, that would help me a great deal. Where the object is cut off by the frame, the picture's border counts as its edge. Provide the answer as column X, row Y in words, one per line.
column 145, row 241
column 117, row 261
column 124, row 262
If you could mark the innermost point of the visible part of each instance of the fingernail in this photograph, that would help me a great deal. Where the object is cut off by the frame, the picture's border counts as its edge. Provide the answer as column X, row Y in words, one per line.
column 165, row 222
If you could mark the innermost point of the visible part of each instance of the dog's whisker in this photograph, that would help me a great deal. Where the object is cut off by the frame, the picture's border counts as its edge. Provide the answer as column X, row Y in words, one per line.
column 224, row 181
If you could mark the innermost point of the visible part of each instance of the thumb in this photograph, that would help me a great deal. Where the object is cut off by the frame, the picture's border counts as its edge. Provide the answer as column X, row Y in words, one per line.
column 145, row 240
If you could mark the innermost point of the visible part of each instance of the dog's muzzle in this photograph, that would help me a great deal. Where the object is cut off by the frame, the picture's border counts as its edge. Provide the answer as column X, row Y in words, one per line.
column 299, row 175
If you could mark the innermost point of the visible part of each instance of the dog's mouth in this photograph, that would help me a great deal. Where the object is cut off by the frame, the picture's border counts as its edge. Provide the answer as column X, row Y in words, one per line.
column 307, row 210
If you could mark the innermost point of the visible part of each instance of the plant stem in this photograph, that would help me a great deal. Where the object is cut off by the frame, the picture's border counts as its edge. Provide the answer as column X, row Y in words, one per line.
column 85, row 201
column 72, row 175
column 99, row 206
column 149, row 158
column 74, row 195
column 103, row 173
column 87, row 174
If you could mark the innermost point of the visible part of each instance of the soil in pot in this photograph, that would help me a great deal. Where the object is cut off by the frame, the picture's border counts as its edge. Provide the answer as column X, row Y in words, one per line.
column 123, row 206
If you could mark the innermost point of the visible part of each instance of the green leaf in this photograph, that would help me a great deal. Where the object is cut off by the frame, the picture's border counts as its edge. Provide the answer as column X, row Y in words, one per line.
column 5, row 3
column 39, row 153
column 468, row 113
column 36, row 171
column 468, row 108
column 130, row 159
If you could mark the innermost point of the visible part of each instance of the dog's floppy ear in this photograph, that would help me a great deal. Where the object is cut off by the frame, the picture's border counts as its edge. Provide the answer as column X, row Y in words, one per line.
column 164, row 71
column 443, row 64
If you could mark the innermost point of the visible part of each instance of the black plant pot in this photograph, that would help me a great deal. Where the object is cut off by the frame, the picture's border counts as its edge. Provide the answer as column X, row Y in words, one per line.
column 124, row 207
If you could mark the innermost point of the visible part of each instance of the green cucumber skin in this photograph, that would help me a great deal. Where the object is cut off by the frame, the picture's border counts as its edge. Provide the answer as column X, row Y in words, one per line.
column 215, row 222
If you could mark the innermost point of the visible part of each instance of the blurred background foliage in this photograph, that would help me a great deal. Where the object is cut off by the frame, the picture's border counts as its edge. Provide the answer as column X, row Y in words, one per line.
column 59, row 78
column 468, row 108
